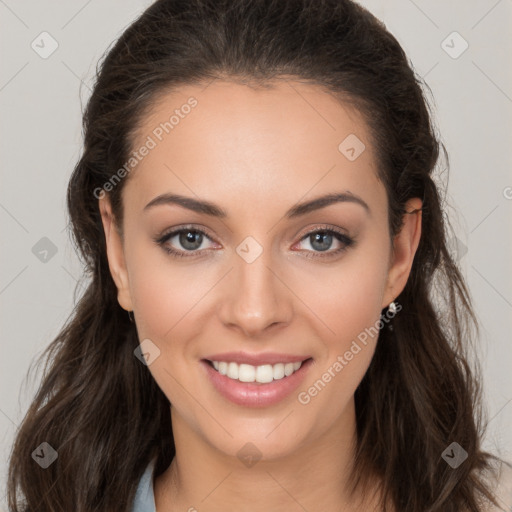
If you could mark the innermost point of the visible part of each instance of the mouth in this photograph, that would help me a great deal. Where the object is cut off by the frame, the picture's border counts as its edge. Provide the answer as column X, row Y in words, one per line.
column 255, row 386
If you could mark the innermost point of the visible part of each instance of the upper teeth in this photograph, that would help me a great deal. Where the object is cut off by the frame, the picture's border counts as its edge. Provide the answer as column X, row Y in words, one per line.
column 248, row 373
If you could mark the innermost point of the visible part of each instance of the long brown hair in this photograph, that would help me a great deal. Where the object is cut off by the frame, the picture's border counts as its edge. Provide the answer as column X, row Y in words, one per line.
column 100, row 408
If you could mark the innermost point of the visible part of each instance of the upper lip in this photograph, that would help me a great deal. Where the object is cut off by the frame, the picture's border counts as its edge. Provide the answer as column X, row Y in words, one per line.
column 256, row 359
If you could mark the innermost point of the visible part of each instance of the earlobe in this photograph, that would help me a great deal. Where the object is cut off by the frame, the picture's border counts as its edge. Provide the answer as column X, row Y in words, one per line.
column 115, row 254
column 404, row 249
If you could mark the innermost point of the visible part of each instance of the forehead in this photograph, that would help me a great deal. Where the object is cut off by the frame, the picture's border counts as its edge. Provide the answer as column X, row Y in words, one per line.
column 292, row 139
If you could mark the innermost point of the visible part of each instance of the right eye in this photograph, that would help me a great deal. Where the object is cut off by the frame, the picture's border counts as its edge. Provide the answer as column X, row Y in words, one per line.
column 189, row 238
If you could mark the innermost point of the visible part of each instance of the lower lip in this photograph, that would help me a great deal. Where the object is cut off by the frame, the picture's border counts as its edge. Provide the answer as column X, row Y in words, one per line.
column 253, row 394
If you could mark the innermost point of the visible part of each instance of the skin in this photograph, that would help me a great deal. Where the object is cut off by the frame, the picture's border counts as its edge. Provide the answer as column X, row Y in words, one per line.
column 256, row 153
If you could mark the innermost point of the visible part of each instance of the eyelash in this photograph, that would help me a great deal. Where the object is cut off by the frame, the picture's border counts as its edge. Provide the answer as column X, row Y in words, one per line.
column 339, row 235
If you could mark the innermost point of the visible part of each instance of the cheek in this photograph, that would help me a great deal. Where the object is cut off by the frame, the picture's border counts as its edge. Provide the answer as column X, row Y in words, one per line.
column 358, row 301
column 346, row 297
column 164, row 292
column 166, row 300
column 162, row 299
column 348, row 303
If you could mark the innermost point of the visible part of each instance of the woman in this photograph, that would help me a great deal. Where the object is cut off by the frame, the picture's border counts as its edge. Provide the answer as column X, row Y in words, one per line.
column 273, row 320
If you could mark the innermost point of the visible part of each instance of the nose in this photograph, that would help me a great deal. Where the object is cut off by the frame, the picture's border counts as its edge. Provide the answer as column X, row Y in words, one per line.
column 255, row 298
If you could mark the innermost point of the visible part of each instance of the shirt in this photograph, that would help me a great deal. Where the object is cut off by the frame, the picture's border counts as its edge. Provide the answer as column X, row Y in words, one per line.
column 145, row 498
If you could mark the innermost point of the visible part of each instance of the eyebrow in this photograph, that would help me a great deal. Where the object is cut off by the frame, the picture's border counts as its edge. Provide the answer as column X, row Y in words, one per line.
column 209, row 208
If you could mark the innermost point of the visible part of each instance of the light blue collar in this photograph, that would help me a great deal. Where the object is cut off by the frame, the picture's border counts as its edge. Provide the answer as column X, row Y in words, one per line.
column 145, row 497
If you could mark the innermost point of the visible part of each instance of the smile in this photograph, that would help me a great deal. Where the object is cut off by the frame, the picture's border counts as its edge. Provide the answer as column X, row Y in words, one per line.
column 264, row 385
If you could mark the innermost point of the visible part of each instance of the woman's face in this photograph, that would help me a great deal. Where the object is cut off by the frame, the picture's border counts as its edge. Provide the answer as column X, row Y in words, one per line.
column 267, row 277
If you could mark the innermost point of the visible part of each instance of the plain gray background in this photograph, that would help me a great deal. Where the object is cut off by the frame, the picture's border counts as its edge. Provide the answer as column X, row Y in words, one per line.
column 41, row 101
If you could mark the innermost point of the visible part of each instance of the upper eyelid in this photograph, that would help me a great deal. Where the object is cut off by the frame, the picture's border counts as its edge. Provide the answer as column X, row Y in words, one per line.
column 323, row 227
column 175, row 231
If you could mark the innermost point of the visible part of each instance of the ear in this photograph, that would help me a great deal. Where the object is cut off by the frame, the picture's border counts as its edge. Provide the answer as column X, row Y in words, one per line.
column 115, row 253
column 404, row 248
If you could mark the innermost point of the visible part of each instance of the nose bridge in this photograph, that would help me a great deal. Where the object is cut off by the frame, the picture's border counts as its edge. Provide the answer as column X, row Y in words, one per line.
column 257, row 298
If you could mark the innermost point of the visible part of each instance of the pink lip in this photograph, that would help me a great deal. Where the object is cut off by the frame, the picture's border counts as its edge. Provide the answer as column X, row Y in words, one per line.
column 256, row 359
column 255, row 394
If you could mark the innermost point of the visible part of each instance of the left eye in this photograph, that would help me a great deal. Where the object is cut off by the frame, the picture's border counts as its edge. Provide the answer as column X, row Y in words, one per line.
column 322, row 240
column 191, row 240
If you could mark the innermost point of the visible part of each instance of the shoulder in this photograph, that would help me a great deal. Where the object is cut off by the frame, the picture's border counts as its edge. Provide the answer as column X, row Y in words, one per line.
column 501, row 486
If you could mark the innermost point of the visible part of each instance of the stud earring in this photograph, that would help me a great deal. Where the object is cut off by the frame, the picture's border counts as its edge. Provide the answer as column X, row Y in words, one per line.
column 392, row 308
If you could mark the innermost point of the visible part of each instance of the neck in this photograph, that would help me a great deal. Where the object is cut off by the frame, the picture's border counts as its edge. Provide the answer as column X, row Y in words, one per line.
column 314, row 477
